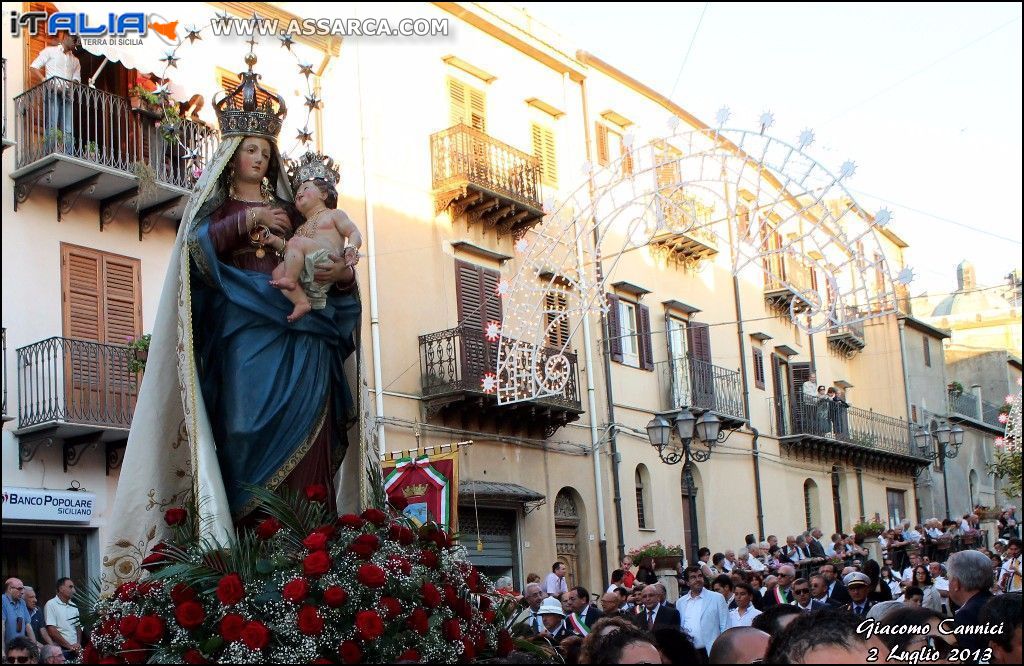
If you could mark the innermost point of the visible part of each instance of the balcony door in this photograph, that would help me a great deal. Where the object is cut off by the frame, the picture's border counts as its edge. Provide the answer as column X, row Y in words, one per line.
column 780, row 379
column 677, row 359
column 702, row 376
column 102, row 309
column 478, row 304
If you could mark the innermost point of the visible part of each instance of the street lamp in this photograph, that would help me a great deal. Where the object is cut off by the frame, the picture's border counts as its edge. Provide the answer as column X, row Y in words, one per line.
column 705, row 431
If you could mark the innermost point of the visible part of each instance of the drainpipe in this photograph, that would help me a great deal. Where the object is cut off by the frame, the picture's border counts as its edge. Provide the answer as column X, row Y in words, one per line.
column 371, row 252
column 901, row 325
column 606, row 357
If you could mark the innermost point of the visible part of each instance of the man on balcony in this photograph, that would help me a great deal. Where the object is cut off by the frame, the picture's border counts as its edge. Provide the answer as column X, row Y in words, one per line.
column 59, row 61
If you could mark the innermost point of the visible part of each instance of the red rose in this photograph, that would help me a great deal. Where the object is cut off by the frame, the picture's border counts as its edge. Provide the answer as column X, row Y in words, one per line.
column 151, row 629
column 409, row 655
column 230, row 589
column 133, row 652
column 392, row 607
column 427, row 532
column 295, row 590
column 463, row 609
column 335, row 596
column 149, row 588
column 155, row 561
column 350, row 652
column 315, row 541
column 449, row 594
column 418, row 621
column 327, row 530
column 350, row 521
column 485, row 603
column 473, row 581
column 310, row 622
column 316, row 493
column 361, row 550
column 255, row 635
column 316, row 564
column 428, row 558
column 489, row 617
column 90, row 655
column 365, row 545
column 468, row 651
column 452, row 629
column 175, row 517
column 369, row 626
column 189, row 614
column 371, row 575
column 480, row 643
column 158, row 547
column 181, row 593
column 406, row 536
column 442, row 540
column 128, row 625
column 400, row 563
column 431, row 595
column 231, row 627
column 108, row 628
column 505, row 643
column 194, row 656
column 268, row 528
column 125, row 591
column 375, row 516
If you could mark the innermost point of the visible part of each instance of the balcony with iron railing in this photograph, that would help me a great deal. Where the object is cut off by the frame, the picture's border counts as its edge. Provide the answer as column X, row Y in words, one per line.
column 484, row 179
column 689, row 236
column 694, row 384
column 77, row 394
column 453, row 366
column 87, row 142
column 847, row 336
column 829, row 429
column 788, row 282
column 972, row 407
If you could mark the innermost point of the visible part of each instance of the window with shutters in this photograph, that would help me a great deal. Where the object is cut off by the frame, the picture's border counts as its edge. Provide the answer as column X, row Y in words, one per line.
column 543, row 140
column 758, row 368
column 34, row 44
column 630, row 327
column 643, row 498
column 556, row 322
column 466, row 105
column 478, row 303
column 628, row 334
column 610, row 147
column 743, row 221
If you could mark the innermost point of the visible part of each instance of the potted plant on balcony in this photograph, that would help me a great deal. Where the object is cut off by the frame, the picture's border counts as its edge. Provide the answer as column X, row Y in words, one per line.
column 665, row 556
column 140, row 353
column 92, row 151
column 956, row 389
column 869, row 529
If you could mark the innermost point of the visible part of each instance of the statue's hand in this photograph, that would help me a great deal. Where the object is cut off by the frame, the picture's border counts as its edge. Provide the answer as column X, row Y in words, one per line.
column 275, row 219
column 332, row 269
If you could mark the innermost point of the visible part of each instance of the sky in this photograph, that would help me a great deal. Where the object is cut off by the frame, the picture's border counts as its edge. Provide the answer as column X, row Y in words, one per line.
column 924, row 98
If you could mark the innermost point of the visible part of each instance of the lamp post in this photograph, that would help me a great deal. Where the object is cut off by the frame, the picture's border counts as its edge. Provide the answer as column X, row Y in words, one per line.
column 942, row 434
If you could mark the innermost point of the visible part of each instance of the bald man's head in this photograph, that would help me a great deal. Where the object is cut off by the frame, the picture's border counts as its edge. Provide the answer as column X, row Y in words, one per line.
column 739, row 645
column 610, row 602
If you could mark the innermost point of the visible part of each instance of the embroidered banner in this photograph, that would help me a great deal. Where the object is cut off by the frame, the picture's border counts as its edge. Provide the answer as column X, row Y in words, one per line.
column 425, row 488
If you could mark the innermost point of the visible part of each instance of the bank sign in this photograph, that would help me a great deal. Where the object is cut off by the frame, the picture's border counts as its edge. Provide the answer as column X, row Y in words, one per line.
column 52, row 506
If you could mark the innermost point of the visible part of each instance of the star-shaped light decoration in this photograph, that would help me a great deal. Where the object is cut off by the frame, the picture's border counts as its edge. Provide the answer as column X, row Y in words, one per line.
column 1009, row 399
column 162, row 90
column 193, row 34
column 1000, row 442
column 287, row 41
column 223, row 18
column 848, row 168
column 489, row 383
column 313, row 102
column 252, row 42
column 492, row 331
column 306, row 69
column 304, row 135
column 503, row 288
column 906, row 276
column 190, row 154
column 170, row 59
column 806, row 138
column 521, row 245
column 767, row 119
column 723, row 115
column 883, row 217
column 1003, row 418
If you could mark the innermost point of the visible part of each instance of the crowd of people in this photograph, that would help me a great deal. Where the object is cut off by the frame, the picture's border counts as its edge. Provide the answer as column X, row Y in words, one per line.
column 34, row 634
column 804, row 602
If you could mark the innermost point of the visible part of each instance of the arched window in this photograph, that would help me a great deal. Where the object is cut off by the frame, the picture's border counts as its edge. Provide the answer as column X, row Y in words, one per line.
column 643, row 498
column 811, row 517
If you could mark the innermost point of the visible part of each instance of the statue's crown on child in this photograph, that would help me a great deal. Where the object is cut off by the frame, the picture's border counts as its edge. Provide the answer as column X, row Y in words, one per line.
column 313, row 166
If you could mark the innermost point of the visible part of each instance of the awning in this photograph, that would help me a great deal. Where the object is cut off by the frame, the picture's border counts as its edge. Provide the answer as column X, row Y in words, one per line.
column 497, row 491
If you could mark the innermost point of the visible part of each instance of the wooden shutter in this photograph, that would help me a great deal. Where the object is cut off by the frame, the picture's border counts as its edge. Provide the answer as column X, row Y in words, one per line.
column 758, row 369
column 543, row 139
column 799, row 372
column 614, row 329
column 478, row 303
column 699, row 339
column 35, row 44
column 627, row 159
column 602, row 144
column 643, row 334
column 558, row 335
column 702, row 380
column 466, row 105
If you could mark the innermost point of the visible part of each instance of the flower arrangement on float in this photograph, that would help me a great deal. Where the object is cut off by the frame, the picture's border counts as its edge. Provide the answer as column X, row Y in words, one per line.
column 301, row 587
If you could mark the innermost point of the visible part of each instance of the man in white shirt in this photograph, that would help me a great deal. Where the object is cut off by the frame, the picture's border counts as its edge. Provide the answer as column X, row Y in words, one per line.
column 729, row 563
column 530, row 616
column 908, row 573
column 941, row 584
column 62, row 619
column 703, row 614
column 753, row 558
column 1010, row 574
column 554, row 584
column 59, row 61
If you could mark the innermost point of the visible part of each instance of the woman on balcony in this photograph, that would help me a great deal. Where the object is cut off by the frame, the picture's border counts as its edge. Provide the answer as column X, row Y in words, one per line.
column 233, row 394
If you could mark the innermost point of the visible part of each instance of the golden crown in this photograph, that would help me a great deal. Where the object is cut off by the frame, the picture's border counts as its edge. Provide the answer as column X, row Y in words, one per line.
column 312, row 166
column 418, row 490
column 241, row 113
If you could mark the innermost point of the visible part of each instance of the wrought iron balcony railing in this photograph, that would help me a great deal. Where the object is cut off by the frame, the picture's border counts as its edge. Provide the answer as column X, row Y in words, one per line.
column 696, row 384
column 61, row 117
column 848, row 335
column 967, row 404
column 784, row 270
column 827, row 419
column 485, row 178
column 456, row 360
column 66, row 381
